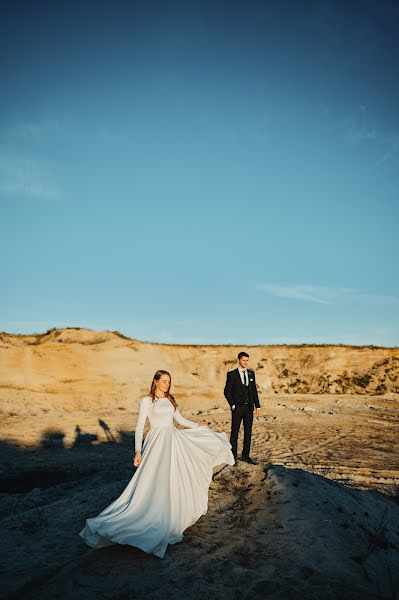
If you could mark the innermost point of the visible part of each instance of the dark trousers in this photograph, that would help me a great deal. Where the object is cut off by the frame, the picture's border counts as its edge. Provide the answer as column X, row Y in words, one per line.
column 241, row 413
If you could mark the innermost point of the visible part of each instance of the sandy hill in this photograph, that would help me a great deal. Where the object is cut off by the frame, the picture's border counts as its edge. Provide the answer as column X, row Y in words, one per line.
column 76, row 369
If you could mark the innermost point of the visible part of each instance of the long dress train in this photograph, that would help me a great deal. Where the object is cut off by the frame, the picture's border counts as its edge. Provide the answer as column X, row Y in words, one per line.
column 169, row 490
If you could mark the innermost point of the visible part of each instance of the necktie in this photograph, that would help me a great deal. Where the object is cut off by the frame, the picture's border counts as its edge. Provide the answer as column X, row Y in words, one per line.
column 245, row 377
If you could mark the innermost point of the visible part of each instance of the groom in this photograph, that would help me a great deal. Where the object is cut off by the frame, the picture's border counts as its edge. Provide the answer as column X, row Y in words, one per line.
column 241, row 393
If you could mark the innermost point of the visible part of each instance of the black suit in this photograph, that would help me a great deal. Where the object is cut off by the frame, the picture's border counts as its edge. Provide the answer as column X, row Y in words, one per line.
column 244, row 399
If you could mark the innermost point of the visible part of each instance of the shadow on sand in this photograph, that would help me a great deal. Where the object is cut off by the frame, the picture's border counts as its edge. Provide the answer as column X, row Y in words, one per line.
column 51, row 462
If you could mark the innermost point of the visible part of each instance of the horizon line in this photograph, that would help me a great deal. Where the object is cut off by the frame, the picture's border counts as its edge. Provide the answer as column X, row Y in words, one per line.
column 120, row 334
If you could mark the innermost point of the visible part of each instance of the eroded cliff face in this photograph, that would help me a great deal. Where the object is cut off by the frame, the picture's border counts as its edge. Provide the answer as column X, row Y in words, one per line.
column 349, row 377
column 79, row 369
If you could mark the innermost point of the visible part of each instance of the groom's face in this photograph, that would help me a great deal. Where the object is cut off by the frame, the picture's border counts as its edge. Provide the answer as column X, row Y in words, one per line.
column 243, row 361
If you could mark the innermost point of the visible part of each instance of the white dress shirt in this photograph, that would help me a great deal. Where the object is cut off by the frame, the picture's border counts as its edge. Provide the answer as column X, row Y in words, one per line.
column 241, row 372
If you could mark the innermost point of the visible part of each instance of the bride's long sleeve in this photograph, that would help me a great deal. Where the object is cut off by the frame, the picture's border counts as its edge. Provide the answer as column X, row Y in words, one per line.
column 182, row 421
column 139, row 431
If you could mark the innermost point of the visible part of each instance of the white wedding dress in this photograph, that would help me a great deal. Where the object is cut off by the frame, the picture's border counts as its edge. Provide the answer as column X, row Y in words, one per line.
column 169, row 490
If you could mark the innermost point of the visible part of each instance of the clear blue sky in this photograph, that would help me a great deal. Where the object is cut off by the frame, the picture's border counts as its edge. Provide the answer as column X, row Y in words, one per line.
column 201, row 172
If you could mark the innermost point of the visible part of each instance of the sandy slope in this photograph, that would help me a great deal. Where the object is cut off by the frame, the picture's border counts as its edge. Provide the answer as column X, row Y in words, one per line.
column 80, row 369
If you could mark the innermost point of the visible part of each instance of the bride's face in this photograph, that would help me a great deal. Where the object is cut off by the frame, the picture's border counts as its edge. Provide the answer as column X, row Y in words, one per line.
column 163, row 383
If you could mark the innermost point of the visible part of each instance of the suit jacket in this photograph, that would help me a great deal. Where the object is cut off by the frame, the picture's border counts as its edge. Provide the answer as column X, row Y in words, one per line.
column 234, row 392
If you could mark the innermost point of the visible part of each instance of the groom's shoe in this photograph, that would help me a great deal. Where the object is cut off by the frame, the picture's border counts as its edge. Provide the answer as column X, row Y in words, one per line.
column 249, row 460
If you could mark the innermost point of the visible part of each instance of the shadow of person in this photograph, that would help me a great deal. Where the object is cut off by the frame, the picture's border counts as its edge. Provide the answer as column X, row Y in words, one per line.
column 108, row 434
column 83, row 439
column 52, row 438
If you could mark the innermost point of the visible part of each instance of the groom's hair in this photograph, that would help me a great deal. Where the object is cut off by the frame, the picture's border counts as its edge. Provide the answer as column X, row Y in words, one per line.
column 241, row 354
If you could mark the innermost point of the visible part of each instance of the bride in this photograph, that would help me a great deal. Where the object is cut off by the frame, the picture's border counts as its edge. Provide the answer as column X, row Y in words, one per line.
column 169, row 490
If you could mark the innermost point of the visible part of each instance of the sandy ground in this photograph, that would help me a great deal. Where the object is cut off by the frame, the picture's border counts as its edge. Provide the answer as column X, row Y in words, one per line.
column 316, row 518
column 352, row 439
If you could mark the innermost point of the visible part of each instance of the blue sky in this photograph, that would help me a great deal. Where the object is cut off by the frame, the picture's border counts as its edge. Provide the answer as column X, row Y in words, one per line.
column 201, row 172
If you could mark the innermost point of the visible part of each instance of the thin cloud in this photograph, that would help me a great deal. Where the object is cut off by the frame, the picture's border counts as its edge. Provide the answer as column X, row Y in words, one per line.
column 26, row 188
column 22, row 173
column 323, row 294
column 377, row 298
column 391, row 143
column 28, row 177
column 35, row 129
column 309, row 293
column 362, row 128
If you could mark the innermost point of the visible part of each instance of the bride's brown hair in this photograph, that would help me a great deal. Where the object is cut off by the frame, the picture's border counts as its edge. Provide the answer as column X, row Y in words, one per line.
column 157, row 377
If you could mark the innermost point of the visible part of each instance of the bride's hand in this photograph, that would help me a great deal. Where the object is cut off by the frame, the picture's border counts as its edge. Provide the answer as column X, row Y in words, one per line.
column 137, row 458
